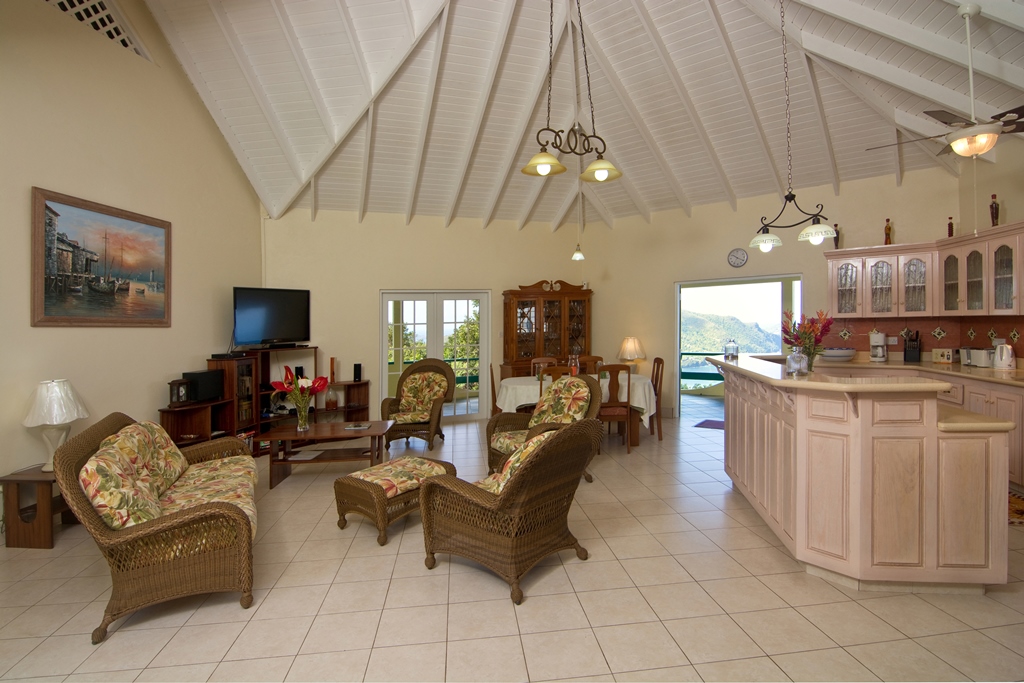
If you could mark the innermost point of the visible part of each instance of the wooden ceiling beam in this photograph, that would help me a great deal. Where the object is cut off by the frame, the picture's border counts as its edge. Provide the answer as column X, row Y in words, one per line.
column 427, row 115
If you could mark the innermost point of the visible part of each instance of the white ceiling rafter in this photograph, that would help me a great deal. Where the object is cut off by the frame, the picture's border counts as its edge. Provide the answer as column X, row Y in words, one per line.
column 410, row 23
column 684, row 97
column 627, row 103
column 595, row 200
column 312, row 199
column 525, row 119
column 562, row 211
column 255, row 87
column 1006, row 12
column 747, row 100
column 918, row 38
column 483, row 103
column 364, row 186
column 883, row 109
column 897, row 155
column 630, row 188
column 819, row 111
column 353, row 39
column 428, row 113
column 307, row 75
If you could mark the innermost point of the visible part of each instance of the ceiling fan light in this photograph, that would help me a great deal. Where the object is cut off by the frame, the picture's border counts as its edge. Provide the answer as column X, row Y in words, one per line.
column 975, row 140
column 543, row 164
column 600, row 170
column 815, row 233
column 765, row 241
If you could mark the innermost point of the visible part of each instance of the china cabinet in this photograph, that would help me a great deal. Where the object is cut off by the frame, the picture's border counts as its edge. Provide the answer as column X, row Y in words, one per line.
column 544, row 319
column 881, row 283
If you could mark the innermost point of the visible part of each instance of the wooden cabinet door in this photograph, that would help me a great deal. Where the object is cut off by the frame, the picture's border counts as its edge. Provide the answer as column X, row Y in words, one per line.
column 881, row 297
column 974, row 279
column 526, row 323
column 950, row 294
column 1003, row 255
column 1007, row 405
column 552, row 312
column 577, row 327
column 846, row 284
column 914, row 284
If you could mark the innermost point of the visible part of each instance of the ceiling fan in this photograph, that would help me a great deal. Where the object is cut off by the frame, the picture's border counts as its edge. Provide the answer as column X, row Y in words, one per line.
column 970, row 138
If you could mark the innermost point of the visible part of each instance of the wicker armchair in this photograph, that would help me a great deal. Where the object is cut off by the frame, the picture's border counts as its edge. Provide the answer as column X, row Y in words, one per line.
column 510, row 532
column 515, row 422
column 203, row 549
column 409, row 422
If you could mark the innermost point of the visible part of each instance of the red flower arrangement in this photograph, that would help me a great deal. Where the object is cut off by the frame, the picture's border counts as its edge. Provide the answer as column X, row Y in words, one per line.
column 807, row 334
column 299, row 391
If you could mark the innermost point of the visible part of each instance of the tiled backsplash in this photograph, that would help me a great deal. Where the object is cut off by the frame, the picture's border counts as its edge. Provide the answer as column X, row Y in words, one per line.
column 956, row 331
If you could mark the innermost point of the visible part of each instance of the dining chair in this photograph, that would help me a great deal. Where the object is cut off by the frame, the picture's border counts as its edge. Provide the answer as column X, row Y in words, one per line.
column 591, row 364
column 554, row 372
column 541, row 361
column 494, row 393
column 657, row 375
column 614, row 409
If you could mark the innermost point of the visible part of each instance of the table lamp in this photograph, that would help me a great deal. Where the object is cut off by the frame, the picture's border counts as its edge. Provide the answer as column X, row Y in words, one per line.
column 54, row 407
column 630, row 350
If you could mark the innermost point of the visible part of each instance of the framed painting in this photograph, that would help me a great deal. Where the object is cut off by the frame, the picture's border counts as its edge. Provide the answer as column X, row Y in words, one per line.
column 98, row 266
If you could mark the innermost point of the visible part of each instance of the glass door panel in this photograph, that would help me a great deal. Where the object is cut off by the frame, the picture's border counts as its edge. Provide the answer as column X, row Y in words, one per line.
column 975, row 281
column 1002, row 279
column 461, row 329
column 881, row 287
column 552, row 328
column 526, row 328
column 407, row 337
column 915, row 287
column 951, row 283
column 576, row 327
column 847, row 288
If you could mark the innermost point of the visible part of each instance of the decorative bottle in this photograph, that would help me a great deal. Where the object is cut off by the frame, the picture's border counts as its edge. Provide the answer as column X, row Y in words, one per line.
column 796, row 362
column 331, row 399
column 993, row 210
column 949, row 227
column 888, row 232
column 574, row 365
column 731, row 350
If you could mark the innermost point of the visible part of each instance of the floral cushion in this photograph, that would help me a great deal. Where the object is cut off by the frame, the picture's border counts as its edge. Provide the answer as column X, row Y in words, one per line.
column 508, row 442
column 565, row 401
column 409, row 418
column 117, row 490
column 420, row 390
column 497, row 481
column 399, row 475
column 225, row 480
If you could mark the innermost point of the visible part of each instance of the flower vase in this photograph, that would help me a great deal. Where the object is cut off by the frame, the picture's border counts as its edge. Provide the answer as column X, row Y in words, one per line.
column 302, row 413
column 810, row 354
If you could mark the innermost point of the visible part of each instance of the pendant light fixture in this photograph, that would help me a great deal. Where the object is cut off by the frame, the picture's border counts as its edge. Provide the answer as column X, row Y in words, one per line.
column 977, row 138
column 815, row 233
column 576, row 140
column 581, row 220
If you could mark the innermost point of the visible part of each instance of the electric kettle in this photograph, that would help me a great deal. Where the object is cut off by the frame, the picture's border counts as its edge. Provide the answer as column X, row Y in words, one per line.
column 1004, row 357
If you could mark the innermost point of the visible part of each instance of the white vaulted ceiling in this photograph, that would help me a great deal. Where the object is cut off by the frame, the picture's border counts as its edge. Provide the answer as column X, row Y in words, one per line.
column 430, row 107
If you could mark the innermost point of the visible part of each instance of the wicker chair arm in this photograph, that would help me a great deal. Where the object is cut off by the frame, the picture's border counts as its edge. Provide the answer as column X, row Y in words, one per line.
column 506, row 422
column 453, row 486
column 174, row 521
column 543, row 427
column 387, row 407
column 214, row 450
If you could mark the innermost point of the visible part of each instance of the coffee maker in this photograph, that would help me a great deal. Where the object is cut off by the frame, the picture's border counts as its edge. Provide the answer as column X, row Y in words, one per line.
column 879, row 352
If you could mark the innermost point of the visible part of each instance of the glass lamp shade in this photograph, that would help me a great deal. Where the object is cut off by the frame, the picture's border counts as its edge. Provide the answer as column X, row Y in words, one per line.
column 578, row 254
column 55, row 403
column 816, row 233
column 975, row 140
column 600, row 170
column 543, row 164
column 765, row 241
column 631, row 349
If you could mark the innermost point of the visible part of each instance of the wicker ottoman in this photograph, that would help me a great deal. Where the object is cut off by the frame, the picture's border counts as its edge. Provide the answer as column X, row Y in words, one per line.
column 387, row 492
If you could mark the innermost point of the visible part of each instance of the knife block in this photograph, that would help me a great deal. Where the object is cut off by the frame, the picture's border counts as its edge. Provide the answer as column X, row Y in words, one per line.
column 912, row 351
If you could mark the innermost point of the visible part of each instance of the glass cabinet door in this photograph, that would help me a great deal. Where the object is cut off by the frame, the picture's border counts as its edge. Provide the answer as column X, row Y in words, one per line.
column 1002, row 280
column 526, row 328
column 847, row 281
column 975, row 281
column 576, row 328
column 914, row 285
column 552, row 328
column 881, row 281
column 950, row 283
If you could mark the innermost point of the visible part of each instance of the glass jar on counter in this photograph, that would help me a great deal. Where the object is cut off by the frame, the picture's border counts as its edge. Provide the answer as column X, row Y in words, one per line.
column 731, row 350
column 796, row 362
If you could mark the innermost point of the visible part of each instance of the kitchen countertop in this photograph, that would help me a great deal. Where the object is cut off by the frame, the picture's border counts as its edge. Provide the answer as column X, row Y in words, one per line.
column 774, row 374
column 949, row 371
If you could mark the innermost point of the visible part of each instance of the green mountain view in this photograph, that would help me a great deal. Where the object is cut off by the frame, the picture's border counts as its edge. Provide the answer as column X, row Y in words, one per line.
column 708, row 332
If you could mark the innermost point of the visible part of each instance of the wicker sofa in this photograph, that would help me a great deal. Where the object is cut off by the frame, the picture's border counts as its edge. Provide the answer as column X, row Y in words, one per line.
column 170, row 523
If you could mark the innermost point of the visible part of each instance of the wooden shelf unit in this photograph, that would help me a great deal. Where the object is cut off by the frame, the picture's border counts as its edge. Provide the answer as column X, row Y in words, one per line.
column 544, row 319
column 353, row 401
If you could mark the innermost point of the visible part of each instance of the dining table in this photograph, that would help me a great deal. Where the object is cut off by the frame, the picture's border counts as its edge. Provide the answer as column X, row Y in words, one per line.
column 517, row 391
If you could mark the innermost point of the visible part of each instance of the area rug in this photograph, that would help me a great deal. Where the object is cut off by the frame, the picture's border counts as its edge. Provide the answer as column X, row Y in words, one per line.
column 1016, row 509
column 711, row 424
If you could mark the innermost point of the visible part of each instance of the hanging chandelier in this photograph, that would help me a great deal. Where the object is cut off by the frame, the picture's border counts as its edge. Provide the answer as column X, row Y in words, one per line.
column 815, row 233
column 575, row 140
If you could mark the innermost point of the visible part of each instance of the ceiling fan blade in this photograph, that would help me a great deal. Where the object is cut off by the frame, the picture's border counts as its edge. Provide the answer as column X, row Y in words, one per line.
column 903, row 142
column 1010, row 115
column 948, row 118
column 945, row 150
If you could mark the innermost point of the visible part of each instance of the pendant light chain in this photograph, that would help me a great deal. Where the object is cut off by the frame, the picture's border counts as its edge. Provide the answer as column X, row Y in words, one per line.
column 785, row 81
column 551, row 54
column 586, row 67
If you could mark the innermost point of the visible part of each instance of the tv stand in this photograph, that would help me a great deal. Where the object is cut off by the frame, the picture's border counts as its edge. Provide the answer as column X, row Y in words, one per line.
column 283, row 345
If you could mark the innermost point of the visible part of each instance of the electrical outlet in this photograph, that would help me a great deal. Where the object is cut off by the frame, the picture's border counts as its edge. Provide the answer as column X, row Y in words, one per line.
column 892, row 341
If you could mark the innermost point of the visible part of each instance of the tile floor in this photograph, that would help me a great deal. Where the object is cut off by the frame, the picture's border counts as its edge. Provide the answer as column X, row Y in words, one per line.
column 683, row 583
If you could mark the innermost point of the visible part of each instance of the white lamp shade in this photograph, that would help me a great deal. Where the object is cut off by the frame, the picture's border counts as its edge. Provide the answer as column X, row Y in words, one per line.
column 599, row 171
column 765, row 241
column 816, row 233
column 631, row 349
column 578, row 254
column 55, row 403
column 543, row 164
column 975, row 140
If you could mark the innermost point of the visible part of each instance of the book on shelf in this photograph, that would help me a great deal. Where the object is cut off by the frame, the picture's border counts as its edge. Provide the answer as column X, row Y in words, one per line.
column 358, row 425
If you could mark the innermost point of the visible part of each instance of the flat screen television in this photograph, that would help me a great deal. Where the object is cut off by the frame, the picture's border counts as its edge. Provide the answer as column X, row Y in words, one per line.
column 268, row 317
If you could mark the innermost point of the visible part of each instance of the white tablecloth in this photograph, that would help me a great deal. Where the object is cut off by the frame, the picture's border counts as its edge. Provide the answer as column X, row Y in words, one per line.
column 516, row 391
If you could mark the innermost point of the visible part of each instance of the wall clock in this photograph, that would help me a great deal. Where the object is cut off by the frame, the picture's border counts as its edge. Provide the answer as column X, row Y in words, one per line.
column 737, row 257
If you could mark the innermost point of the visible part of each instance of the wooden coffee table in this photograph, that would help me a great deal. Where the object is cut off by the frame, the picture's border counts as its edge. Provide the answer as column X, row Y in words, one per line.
column 281, row 461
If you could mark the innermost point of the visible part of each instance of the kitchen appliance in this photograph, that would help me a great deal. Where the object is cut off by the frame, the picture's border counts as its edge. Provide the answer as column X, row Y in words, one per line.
column 879, row 352
column 982, row 358
column 912, row 348
column 1003, row 357
column 943, row 356
column 965, row 355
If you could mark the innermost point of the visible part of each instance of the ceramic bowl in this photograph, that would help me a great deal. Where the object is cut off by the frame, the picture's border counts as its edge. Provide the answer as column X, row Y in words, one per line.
column 838, row 354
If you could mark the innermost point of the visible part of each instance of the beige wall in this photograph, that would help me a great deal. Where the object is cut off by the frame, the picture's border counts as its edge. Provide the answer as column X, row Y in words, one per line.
column 632, row 269
column 1004, row 178
column 83, row 116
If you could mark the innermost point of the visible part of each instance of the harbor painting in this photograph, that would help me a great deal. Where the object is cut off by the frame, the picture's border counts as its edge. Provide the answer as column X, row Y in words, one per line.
column 98, row 266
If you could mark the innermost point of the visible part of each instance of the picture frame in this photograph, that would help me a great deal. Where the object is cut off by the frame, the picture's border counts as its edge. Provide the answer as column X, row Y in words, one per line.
column 98, row 266
column 180, row 394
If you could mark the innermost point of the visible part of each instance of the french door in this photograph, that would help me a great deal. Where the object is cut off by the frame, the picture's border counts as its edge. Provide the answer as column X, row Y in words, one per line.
column 453, row 326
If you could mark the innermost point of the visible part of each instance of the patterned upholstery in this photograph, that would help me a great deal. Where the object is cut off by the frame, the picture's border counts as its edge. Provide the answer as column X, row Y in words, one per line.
column 419, row 391
column 564, row 402
column 508, row 442
column 400, row 475
column 496, row 482
column 139, row 474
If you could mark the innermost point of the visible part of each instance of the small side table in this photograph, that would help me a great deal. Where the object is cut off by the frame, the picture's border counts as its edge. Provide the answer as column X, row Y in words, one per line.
column 32, row 526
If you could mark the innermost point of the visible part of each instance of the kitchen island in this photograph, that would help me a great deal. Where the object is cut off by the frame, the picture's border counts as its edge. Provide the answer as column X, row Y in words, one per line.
column 870, row 481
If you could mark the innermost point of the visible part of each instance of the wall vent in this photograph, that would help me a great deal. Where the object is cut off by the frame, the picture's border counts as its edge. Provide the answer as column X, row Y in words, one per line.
column 105, row 18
